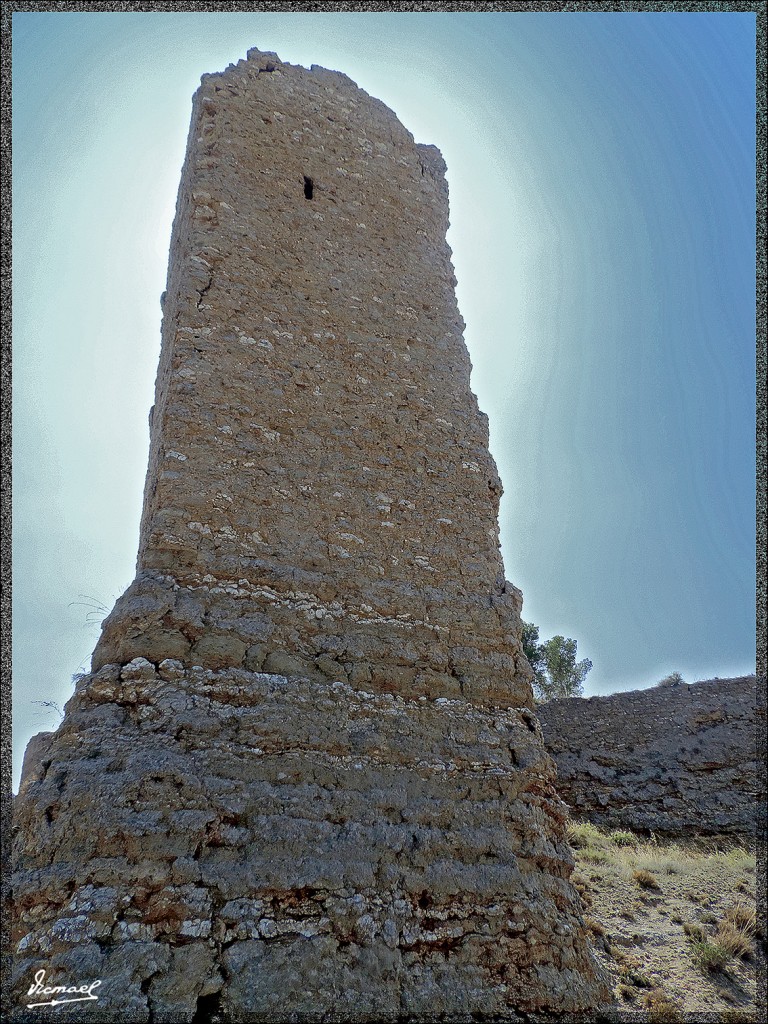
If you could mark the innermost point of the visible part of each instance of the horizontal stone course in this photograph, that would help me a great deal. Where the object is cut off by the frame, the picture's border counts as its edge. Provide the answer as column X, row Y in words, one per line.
column 369, row 849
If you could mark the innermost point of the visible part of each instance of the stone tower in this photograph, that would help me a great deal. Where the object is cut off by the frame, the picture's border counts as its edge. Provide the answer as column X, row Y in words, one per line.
column 303, row 780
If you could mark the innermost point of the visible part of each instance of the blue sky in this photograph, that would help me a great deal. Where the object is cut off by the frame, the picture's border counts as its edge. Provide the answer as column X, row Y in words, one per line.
column 601, row 169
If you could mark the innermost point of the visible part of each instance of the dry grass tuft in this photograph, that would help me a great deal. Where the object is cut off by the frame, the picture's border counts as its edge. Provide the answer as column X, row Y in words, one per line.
column 742, row 916
column 693, row 944
column 737, row 941
column 660, row 1007
column 645, row 879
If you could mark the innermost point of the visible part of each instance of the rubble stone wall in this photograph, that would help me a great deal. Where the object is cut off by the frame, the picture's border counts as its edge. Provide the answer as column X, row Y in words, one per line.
column 291, row 847
column 669, row 759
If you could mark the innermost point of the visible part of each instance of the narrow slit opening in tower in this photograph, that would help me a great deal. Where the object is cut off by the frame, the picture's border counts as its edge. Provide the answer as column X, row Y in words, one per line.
column 309, row 187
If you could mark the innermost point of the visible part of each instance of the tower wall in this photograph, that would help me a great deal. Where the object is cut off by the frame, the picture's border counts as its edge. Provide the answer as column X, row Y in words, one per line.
column 320, row 498
column 303, row 781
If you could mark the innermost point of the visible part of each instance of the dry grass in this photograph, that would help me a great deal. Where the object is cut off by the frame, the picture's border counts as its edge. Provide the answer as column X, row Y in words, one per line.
column 661, row 1009
column 742, row 916
column 733, row 937
column 737, row 941
column 645, row 879
column 674, row 922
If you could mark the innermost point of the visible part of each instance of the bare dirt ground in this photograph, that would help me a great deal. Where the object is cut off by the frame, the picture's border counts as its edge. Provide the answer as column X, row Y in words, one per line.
column 675, row 923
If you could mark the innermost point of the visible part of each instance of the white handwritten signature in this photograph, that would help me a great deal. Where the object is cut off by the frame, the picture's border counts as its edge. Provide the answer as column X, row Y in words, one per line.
column 78, row 995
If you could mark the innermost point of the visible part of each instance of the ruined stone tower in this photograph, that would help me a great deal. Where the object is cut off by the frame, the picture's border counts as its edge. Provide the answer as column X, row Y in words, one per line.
column 303, row 780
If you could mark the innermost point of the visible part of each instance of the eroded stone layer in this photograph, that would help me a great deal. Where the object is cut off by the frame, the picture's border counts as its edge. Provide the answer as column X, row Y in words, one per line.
column 315, row 445
column 289, row 850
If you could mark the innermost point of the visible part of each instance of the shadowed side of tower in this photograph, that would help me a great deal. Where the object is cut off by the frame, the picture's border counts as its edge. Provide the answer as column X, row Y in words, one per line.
column 303, row 780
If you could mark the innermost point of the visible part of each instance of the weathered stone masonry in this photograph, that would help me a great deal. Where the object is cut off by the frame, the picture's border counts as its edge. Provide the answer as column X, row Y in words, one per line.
column 303, row 781
column 670, row 759
column 317, row 456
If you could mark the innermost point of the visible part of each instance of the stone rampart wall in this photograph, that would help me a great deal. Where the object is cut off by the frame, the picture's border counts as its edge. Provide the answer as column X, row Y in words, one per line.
column 669, row 759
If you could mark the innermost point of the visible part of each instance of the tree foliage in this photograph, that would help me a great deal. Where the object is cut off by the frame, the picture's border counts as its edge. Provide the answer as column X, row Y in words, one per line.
column 556, row 672
column 531, row 648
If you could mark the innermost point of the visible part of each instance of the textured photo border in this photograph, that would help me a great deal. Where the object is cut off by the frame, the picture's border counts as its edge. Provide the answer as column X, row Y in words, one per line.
column 760, row 9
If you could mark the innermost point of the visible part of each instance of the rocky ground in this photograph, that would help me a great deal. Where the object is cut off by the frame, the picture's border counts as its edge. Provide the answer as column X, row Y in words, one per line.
column 675, row 923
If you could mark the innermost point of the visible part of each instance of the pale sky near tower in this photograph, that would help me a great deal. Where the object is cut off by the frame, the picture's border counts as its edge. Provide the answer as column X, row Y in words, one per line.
column 602, row 182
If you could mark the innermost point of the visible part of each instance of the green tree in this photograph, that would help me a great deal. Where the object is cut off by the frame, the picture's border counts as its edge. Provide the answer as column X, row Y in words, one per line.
column 532, row 650
column 556, row 672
